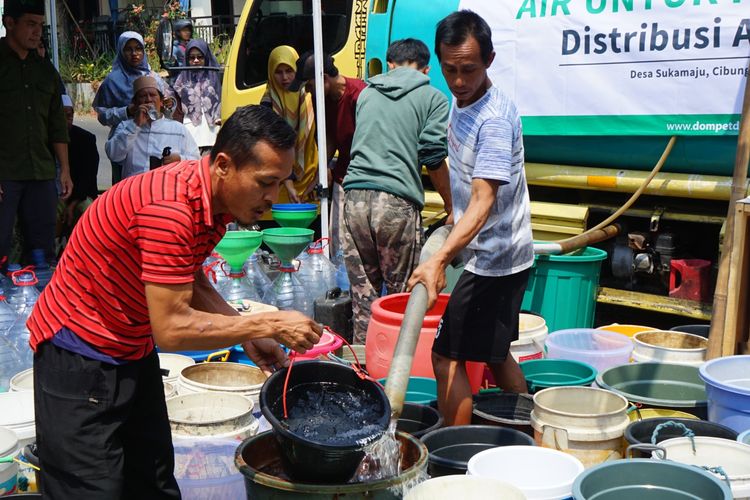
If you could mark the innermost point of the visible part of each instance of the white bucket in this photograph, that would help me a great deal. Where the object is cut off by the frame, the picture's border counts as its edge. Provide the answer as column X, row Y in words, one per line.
column 22, row 381
column 215, row 415
column 9, row 470
column 456, row 486
column 669, row 347
column 17, row 414
column 170, row 390
column 174, row 363
column 236, row 378
column 532, row 333
column 540, row 473
column 730, row 455
column 586, row 422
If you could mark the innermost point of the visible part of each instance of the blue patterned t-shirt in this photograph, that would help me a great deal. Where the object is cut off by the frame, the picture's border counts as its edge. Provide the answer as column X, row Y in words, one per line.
column 485, row 141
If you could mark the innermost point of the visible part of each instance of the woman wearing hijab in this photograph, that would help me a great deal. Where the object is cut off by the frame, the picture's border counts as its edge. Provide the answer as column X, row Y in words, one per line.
column 199, row 91
column 297, row 109
column 114, row 99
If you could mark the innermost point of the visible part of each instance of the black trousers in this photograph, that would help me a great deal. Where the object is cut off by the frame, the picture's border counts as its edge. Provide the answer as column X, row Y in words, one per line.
column 102, row 430
column 35, row 203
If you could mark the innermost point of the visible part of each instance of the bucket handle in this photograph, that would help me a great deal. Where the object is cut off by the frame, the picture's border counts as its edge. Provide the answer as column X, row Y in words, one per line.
column 646, row 447
column 554, row 437
column 222, row 355
column 635, row 407
column 677, row 425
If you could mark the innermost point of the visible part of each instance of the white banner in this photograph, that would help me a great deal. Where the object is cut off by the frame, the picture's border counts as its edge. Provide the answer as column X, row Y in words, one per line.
column 613, row 67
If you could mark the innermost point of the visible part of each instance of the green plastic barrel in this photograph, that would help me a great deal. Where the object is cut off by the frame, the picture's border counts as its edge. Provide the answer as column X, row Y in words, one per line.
column 562, row 288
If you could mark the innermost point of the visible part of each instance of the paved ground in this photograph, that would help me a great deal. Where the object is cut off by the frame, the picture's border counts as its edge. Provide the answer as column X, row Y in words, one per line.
column 90, row 123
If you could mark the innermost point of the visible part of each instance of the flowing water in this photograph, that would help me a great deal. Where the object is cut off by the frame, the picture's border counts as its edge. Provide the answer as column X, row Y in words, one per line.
column 332, row 414
column 382, row 458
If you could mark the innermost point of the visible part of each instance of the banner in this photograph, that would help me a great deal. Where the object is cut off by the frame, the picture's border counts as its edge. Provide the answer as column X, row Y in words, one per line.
column 621, row 67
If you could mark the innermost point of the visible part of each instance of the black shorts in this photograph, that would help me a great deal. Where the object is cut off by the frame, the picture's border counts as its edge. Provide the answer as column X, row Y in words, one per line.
column 481, row 319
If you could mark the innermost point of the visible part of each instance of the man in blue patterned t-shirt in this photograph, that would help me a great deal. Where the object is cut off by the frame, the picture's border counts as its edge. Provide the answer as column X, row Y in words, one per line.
column 492, row 222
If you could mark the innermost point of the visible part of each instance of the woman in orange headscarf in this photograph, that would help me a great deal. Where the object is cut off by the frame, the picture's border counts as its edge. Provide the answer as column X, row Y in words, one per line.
column 297, row 109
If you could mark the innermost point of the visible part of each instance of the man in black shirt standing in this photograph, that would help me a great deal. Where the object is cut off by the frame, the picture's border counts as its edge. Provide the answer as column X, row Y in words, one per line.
column 32, row 127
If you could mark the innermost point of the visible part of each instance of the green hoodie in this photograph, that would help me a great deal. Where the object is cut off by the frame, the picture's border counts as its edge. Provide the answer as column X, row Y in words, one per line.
column 401, row 125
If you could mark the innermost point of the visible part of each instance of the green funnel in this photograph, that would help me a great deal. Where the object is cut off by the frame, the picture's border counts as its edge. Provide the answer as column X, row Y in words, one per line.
column 236, row 246
column 287, row 242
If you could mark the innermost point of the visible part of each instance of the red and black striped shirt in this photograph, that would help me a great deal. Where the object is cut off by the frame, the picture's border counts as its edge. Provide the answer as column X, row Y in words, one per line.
column 157, row 227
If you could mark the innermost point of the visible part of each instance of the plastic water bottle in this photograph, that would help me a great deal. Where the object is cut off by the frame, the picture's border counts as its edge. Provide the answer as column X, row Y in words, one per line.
column 256, row 276
column 25, row 295
column 289, row 294
column 342, row 278
column 316, row 272
column 238, row 289
column 9, row 363
column 18, row 337
column 42, row 268
column 214, row 269
column 8, row 317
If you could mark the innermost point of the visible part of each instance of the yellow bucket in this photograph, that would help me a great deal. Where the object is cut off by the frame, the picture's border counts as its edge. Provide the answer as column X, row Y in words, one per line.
column 646, row 413
column 628, row 330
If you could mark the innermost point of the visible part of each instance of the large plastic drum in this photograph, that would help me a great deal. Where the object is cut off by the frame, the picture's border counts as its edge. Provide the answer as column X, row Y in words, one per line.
column 728, row 391
column 383, row 331
column 562, row 288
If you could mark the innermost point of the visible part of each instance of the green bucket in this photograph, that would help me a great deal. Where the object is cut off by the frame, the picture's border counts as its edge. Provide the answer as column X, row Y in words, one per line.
column 543, row 373
column 562, row 288
column 419, row 390
column 646, row 479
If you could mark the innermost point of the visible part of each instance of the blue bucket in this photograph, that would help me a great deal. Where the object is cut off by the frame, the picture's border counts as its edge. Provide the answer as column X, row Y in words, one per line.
column 237, row 355
column 728, row 391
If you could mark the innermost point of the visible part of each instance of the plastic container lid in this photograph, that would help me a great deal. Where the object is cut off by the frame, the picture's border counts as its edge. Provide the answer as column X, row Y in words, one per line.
column 599, row 348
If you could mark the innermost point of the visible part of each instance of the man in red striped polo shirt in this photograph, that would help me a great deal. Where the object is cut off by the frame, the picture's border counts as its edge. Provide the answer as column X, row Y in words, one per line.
column 130, row 278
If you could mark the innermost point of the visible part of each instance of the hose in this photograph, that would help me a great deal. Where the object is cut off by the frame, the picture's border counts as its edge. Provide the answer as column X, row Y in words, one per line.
column 604, row 230
column 411, row 326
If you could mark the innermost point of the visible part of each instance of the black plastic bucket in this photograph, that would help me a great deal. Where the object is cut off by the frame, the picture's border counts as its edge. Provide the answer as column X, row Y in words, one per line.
column 311, row 461
column 701, row 330
column 418, row 420
column 451, row 447
column 506, row 409
column 640, row 432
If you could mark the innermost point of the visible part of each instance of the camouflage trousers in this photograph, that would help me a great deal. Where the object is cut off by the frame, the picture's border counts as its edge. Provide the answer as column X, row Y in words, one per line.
column 382, row 240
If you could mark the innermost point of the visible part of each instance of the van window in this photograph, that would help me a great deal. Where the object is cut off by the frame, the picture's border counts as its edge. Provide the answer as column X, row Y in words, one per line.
column 287, row 22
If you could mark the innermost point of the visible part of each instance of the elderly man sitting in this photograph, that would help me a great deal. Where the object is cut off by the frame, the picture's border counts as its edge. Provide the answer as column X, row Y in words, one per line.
column 141, row 142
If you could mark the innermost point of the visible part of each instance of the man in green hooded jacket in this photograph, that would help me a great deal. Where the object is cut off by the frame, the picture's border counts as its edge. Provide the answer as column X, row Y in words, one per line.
column 401, row 125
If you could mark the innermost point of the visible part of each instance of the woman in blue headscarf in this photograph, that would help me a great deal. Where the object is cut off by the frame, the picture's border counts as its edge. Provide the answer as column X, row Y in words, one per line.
column 113, row 101
column 199, row 91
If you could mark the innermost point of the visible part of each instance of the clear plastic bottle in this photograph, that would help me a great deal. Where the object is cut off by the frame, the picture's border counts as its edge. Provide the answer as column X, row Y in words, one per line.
column 342, row 278
column 289, row 294
column 8, row 317
column 237, row 288
column 25, row 295
column 316, row 272
column 18, row 337
column 42, row 268
column 256, row 276
column 9, row 362
column 214, row 269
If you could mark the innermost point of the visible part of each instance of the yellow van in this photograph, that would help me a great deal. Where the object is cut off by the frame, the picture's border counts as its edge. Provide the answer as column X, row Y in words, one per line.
column 266, row 24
